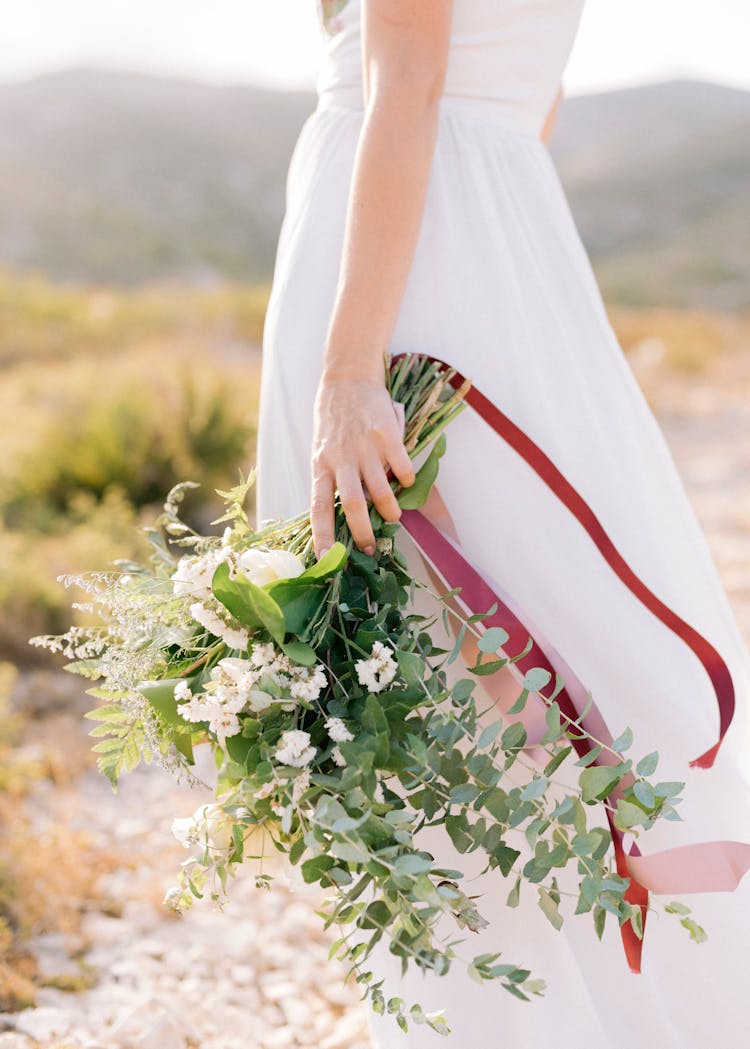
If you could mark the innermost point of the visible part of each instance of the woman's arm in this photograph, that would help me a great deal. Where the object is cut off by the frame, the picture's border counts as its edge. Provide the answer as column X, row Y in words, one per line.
column 356, row 434
column 549, row 123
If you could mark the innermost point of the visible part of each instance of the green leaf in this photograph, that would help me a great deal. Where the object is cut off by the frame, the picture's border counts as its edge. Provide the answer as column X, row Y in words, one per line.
column 412, row 863
column 350, row 851
column 514, row 895
column 492, row 639
column 456, row 828
column 490, row 667
column 555, row 762
column 250, row 604
column 676, row 907
column 160, row 695
column 411, row 667
column 628, row 815
column 514, row 736
column 590, row 756
column 505, row 856
column 534, row 789
column 315, row 869
column 332, row 561
column 300, row 653
column 647, row 766
column 416, row 495
column 536, row 678
column 624, row 741
column 549, row 908
column 645, row 793
column 600, row 917
column 597, row 782
column 697, row 934
column 489, row 735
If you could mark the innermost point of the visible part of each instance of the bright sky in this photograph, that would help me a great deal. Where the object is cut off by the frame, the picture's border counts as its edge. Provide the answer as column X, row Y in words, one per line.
column 276, row 42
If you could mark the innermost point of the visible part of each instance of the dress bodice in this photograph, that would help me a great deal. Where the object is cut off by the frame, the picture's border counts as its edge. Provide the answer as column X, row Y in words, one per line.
column 509, row 54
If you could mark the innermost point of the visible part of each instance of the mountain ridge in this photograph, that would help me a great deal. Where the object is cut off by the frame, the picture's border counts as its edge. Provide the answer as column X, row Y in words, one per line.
column 124, row 177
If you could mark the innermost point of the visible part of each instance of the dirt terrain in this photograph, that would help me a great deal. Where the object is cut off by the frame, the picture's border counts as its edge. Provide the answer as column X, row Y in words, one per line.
column 256, row 976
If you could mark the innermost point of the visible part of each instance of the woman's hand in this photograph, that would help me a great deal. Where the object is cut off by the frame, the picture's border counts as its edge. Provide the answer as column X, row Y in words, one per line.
column 356, row 437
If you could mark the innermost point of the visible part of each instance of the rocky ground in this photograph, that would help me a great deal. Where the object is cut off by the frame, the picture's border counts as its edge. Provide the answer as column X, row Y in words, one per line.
column 256, row 976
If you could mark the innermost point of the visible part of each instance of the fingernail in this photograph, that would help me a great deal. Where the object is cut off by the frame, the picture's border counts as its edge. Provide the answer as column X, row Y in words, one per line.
column 323, row 552
column 369, row 550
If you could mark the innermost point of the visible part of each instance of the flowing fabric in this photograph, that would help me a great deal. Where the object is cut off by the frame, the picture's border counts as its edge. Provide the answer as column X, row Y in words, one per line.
column 501, row 288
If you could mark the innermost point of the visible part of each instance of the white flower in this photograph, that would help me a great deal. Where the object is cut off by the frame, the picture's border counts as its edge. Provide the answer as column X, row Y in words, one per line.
column 338, row 757
column 235, row 638
column 301, row 784
column 197, row 708
column 193, row 575
column 264, row 566
column 309, row 683
column 295, row 749
column 213, row 622
column 172, row 898
column 262, row 653
column 209, row 827
column 379, row 670
column 338, row 731
column 224, row 723
column 182, row 691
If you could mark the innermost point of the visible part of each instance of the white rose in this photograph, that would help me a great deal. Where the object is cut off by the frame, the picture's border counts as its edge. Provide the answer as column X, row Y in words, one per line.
column 264, row 566
column 209, row 827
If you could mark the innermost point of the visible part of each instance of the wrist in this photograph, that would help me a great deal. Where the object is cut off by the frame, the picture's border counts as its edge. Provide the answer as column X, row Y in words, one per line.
column 353, row 368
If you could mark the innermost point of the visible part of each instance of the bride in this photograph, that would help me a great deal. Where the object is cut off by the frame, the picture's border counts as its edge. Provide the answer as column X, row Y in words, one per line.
column 424, row 214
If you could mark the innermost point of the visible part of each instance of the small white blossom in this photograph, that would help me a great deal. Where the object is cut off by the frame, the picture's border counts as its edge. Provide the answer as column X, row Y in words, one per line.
column 262, row 653
column 309, row 683
column 172, row 898
column 377, row 672
column 224, row 723
column 338, row 757
column 193, row 575
column 234, row 637
column 301, row 784
column 182, row 691
column 197, row 708
column 295, row 749
column 338, row 731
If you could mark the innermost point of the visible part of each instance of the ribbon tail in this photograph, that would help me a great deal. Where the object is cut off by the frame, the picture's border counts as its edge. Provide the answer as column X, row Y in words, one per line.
column 712, row 662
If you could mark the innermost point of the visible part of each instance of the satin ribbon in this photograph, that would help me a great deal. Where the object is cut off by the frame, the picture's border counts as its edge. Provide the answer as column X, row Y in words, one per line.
column 705, row 867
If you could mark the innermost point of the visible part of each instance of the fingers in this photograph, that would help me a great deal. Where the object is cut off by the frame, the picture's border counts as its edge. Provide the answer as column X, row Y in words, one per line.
column 380, row 491
column 321, row 512
column 400, row 463
column 355, row 509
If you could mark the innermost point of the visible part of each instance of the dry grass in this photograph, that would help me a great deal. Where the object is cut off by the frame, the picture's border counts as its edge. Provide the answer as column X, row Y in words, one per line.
column 684, row 340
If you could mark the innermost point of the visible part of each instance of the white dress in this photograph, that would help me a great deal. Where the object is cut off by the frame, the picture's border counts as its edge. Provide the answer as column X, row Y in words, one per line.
column 502, row 288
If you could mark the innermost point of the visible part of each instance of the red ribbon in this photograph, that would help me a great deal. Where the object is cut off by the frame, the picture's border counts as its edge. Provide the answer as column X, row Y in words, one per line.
column 478, row 596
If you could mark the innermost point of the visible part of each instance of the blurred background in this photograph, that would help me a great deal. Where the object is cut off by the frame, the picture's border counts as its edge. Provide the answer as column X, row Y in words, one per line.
column 143, row 154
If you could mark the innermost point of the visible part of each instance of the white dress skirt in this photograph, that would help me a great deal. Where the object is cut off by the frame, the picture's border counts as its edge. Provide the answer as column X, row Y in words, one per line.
column 502, row 288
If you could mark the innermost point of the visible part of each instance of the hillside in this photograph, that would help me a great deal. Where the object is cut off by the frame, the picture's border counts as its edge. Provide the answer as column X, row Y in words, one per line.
column 127, row 178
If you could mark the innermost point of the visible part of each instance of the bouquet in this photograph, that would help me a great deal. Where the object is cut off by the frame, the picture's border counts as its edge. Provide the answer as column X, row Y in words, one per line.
column 325, row 700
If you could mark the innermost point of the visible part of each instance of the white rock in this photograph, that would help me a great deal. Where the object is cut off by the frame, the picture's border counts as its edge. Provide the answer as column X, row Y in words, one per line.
column 163, row 1034
column 279, row 991
column 11, row 1040
column 46, row 1023
column 278, row 1039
